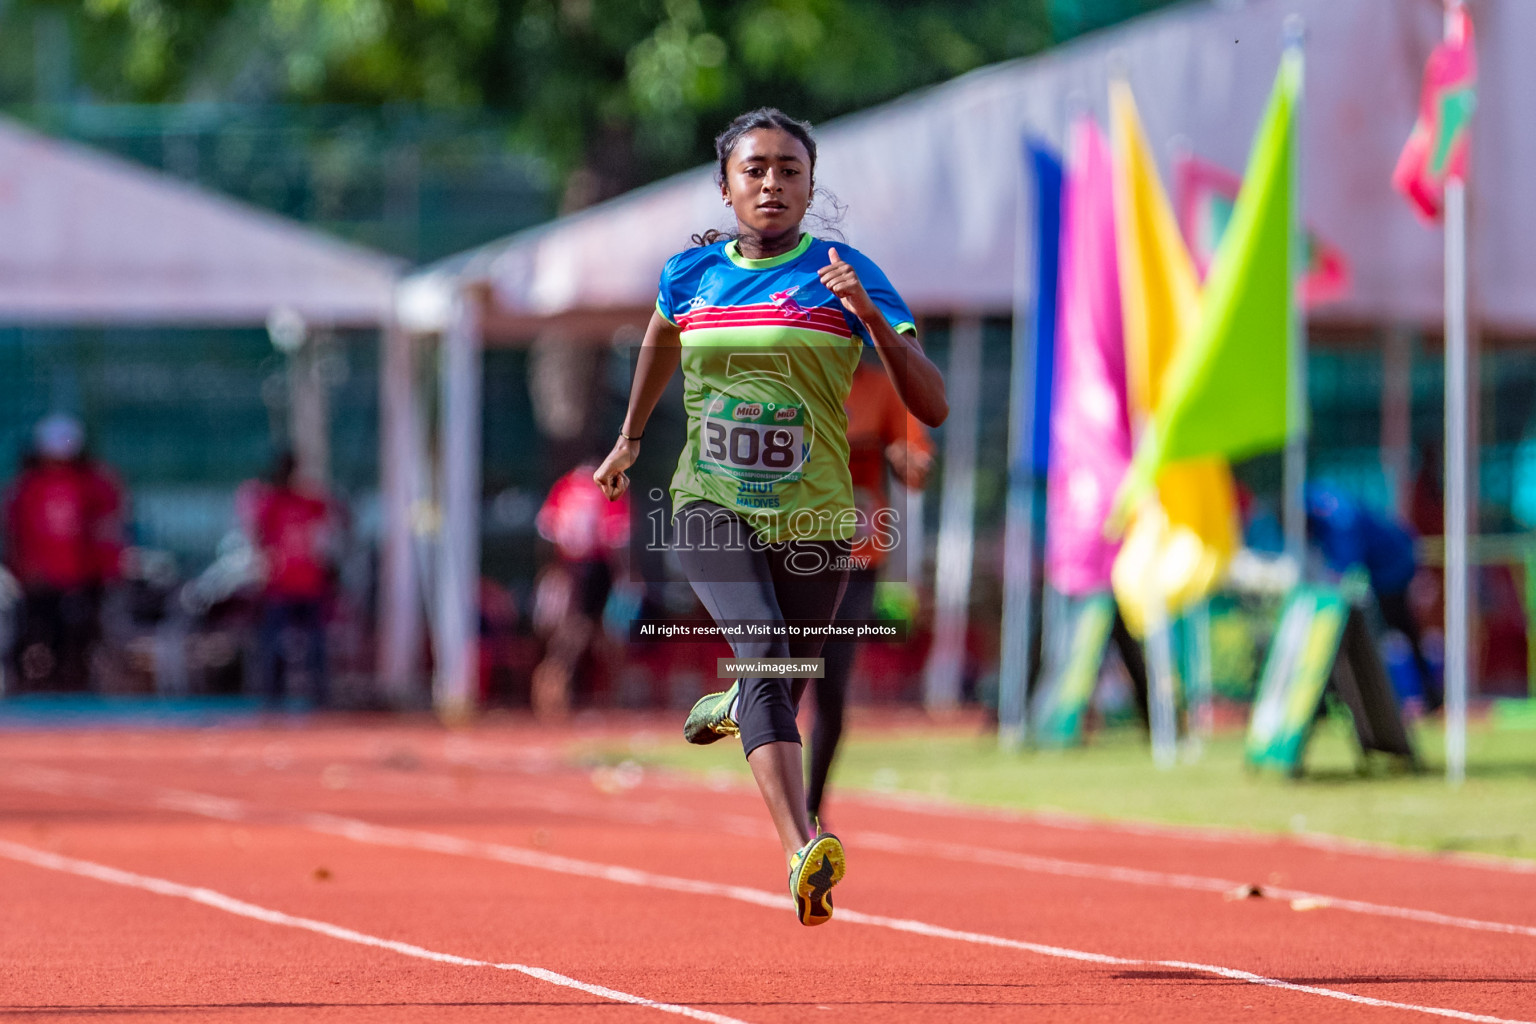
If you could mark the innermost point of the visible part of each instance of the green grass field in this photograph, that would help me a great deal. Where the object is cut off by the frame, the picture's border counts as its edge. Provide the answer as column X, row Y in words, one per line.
column 1493, row 812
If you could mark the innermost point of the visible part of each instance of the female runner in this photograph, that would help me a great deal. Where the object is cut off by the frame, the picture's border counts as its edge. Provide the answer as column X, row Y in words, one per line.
column 768, row 326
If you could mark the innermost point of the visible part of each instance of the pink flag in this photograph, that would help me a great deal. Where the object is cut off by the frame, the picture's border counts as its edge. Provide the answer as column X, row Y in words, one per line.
column 1090, row 424
column 1437, row 148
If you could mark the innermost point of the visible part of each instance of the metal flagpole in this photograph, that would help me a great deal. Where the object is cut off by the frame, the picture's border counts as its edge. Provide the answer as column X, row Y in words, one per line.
column 957, row 519
column 1457, row 650
column 1293, row 510
column 1457, row 596
column 1019, row 582
column 1162, row 708
column 1202, row 726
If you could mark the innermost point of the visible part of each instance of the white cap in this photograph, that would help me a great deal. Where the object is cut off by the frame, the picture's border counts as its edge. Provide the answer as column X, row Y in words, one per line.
column 59, row 436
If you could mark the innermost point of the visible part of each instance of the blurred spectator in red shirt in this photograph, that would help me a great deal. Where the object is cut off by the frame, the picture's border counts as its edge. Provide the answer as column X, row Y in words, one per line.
column 293, row 527
column 63, row 522
column 588, row 532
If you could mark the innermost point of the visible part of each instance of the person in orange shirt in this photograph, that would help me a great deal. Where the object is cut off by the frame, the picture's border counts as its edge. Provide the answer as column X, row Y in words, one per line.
column 881, row 433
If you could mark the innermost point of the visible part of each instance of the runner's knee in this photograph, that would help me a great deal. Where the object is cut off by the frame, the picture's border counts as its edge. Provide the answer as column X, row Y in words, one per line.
column 766, row 712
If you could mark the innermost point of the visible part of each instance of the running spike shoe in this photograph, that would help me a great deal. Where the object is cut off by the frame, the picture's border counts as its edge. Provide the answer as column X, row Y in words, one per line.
column 711, row 719
column 813, row 870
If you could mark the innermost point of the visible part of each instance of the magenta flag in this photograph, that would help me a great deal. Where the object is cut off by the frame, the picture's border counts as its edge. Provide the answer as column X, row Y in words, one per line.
column 1090, row 424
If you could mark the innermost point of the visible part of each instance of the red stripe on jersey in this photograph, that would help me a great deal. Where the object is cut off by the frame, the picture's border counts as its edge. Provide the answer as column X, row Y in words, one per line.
column 824, row 319
column 819, row 323
column 840, row 332
column 818, row 312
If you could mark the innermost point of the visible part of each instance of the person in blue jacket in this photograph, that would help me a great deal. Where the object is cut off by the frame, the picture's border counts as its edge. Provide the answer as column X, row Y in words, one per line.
column 1347, row 533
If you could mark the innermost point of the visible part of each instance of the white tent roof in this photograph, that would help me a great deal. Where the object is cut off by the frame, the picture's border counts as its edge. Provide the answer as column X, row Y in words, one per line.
column 87, row 238
column 932, row 180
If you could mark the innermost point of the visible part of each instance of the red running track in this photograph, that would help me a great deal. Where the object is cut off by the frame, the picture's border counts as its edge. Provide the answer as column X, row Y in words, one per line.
column 356, row 872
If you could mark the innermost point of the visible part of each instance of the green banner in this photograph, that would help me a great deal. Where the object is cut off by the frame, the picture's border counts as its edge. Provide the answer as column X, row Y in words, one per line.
column 1295, row 674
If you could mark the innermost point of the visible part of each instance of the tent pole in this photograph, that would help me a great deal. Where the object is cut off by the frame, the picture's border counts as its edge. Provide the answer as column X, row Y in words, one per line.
column 456, row 686
column 957, row 513
column 309, row 416
column 1397, row 415
column 399, row 612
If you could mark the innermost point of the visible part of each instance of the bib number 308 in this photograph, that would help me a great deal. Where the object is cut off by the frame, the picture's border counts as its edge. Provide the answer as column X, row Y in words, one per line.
column 752, row 445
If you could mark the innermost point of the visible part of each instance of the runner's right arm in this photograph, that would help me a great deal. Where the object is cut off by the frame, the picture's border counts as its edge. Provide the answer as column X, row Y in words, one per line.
column 660, row 354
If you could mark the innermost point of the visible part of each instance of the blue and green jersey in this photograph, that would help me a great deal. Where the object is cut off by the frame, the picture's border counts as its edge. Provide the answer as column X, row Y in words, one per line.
column 768, row 360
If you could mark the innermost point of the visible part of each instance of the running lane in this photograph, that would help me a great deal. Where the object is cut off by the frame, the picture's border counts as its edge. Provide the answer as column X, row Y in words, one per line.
column 107, row 801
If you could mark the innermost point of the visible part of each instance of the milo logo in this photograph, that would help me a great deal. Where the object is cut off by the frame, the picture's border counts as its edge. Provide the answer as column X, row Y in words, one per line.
column 748, row 412
column 786, row 414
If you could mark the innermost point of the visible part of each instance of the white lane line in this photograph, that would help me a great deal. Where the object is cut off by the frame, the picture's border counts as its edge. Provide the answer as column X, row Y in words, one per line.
column 464, row 751
column 413, row 839
column 547, row 761
column 937, row 932
column 645, row 813
column 917, row 803
column 69, row 783
column 634, row 812
column 1168, row 880
column 219, row 901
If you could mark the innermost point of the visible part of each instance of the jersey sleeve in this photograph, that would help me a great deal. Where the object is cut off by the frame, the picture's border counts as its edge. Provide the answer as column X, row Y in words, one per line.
column 889, row 301
column 666, row 292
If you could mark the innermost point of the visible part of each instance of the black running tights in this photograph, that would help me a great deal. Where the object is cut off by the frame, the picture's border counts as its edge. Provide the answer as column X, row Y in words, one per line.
column 740, row 579
column 832, row 689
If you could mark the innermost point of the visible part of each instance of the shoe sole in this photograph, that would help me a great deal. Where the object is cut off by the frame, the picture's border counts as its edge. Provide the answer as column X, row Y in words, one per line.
column 823, row 867
column 699, row 732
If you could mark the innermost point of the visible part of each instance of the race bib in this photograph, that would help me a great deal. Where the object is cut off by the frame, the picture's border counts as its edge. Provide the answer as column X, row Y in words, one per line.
column 754, row 441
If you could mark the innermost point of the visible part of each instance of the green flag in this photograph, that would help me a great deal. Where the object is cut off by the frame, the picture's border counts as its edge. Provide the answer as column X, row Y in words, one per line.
column 1225, row 390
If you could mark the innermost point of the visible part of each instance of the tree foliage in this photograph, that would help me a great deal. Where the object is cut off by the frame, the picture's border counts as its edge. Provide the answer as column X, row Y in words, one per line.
column 609, row 92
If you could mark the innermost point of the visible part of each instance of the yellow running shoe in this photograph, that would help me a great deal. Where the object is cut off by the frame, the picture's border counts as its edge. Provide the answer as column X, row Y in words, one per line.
column 814, row 869
column 711, row 719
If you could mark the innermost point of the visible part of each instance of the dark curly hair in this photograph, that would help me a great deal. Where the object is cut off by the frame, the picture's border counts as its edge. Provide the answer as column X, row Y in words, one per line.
column 755, row 120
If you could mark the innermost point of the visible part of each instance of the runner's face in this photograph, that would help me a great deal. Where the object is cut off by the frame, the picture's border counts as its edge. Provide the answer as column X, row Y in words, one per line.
column 768, row 182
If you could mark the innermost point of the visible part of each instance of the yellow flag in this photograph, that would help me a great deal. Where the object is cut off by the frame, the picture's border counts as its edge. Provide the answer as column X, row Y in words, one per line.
column 1178, row 545
column 1159, row 289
